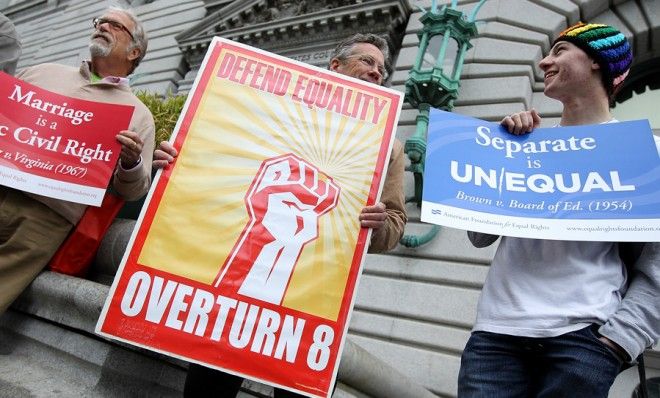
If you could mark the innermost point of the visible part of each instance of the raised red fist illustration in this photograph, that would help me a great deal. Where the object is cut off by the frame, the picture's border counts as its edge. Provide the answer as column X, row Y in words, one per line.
column 285, row 201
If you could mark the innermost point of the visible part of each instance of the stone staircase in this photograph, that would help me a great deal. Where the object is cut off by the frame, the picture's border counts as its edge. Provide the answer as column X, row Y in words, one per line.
column 48, row 348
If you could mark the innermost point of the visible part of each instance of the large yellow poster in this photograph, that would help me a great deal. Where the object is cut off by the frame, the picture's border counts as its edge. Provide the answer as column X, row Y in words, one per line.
column 256, row 222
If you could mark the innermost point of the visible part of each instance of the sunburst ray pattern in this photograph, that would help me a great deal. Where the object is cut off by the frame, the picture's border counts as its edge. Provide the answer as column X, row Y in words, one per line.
column 202, row 211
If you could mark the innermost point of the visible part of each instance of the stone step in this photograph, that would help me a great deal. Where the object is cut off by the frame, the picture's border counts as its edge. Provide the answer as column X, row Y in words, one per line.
column 42, row 359
column 48, row 348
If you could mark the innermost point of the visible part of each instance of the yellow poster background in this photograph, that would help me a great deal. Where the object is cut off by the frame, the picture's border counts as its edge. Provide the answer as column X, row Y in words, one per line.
column 202, row 211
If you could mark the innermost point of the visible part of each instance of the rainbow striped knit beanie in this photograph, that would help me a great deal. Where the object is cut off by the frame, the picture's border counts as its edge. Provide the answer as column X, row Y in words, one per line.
column 607, row 46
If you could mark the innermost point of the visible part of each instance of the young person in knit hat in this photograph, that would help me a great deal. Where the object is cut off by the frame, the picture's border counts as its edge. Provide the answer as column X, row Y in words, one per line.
column 560, row 318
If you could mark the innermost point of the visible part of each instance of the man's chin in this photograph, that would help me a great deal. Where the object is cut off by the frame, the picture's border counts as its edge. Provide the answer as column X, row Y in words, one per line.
column 96, row 49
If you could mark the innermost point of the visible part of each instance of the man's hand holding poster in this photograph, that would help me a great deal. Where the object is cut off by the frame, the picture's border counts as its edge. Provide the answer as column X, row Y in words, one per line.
column 248, row 254
column 57, row 146
column 598, row 182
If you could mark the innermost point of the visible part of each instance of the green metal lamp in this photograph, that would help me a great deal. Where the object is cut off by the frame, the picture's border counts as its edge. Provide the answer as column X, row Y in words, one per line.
column 433, row 81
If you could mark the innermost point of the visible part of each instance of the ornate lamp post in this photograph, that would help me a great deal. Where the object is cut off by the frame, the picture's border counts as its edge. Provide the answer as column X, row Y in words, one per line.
column 434, row 82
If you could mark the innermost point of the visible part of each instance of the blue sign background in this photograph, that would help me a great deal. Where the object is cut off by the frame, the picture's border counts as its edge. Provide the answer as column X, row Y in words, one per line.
column 627, row 148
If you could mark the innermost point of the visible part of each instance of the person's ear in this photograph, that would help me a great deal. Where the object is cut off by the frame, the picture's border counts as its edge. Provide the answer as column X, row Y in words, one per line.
column 595, row 65
column 134, row 54
column 334, row 64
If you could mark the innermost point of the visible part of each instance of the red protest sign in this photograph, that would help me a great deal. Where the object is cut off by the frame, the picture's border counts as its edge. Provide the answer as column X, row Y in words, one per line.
column 55, row 145
column 248, row 254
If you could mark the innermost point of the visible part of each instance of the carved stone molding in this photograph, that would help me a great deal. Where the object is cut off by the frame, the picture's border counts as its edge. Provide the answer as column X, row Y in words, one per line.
column 303, row 30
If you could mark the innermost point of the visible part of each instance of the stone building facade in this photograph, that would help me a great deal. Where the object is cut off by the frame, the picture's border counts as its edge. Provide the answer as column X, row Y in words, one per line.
column 415, row 307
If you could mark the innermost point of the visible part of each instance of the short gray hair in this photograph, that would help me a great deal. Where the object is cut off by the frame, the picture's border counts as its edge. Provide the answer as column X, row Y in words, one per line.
column 345, row 48
column 140, row 39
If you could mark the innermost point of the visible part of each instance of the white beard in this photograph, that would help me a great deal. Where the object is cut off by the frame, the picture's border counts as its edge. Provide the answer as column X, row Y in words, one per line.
column 99, row 49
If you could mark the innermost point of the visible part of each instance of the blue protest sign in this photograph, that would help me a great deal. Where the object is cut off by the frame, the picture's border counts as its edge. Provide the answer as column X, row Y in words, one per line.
column 597, row 182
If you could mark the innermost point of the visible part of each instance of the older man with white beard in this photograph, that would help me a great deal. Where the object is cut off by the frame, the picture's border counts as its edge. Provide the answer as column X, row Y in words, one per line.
column 32, row 227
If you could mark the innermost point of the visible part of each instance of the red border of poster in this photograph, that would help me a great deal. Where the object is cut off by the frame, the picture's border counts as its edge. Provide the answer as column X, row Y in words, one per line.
column 214, row 326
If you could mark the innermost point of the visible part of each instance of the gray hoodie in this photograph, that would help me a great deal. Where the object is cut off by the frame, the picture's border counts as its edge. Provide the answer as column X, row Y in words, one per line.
column 635, row 325
column 10, row 46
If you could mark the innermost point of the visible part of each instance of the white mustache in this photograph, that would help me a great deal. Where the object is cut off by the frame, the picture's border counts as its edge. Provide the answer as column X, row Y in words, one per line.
column 101, row 35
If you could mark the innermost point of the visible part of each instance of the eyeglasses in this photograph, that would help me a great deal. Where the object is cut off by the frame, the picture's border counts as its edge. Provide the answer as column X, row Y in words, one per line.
column 371, row 62
column 113, row 24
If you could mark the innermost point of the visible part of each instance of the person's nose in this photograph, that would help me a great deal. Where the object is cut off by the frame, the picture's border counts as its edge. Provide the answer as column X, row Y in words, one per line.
column 545, row 63
column 375, row 74
column 103, row 26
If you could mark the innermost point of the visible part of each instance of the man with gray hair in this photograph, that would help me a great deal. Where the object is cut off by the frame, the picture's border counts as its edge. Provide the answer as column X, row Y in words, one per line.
column 101, row 45
column 32, row 227
column 364, row 48
column 10, row 46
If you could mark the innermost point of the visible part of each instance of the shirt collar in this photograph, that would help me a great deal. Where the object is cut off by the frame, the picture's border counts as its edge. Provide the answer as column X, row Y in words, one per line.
column 85, row 70
column 612, row 120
